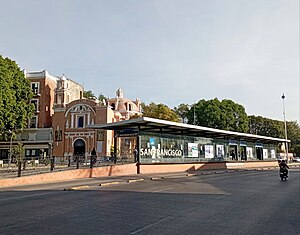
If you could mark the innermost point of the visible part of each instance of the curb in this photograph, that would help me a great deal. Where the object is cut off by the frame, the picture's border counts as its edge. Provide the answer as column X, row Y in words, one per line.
column 162, row 178
column 76, row 188
column 191, row 174
column 110, row 183
column 135, row 180
column 157, row 178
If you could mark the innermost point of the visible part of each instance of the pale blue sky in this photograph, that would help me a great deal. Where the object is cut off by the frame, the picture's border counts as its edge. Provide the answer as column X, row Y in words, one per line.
column 165, row 51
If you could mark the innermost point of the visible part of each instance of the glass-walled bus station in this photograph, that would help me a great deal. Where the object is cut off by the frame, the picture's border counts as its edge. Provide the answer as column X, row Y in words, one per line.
column 148, row 140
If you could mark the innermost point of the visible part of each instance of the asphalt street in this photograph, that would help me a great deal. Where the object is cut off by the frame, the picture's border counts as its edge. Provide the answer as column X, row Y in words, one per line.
column 234, row 202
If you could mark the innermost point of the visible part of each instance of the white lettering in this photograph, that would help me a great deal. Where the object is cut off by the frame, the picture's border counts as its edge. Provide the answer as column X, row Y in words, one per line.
column 161, row 152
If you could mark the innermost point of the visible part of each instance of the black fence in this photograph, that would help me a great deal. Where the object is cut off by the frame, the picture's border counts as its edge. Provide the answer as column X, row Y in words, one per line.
column 28, row 166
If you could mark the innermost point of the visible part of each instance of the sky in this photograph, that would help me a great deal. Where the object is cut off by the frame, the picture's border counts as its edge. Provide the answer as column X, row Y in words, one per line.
column 164, row 51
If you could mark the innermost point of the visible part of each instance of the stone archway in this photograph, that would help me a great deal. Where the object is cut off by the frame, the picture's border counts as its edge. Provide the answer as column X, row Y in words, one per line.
column 79, row 147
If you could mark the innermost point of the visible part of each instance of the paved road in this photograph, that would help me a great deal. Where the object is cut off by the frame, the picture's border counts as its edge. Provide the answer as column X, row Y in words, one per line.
column 246, row 202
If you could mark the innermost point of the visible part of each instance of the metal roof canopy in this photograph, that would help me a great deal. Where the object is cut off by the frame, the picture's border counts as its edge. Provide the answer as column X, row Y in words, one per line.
column 147, row 124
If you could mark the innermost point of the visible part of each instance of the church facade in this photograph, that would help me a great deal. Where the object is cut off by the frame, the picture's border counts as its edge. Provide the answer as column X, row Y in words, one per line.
column 71, row 135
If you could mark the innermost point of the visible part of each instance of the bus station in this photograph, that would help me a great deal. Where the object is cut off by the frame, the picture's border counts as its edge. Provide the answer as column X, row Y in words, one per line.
column 154, row 141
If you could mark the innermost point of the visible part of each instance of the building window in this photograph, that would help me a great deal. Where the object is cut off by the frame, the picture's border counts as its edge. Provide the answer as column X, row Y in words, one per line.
column 113, row 106
column 35, row 102
column 80, row 122
column 33, row 122
column 59, row 99
column 35, row 86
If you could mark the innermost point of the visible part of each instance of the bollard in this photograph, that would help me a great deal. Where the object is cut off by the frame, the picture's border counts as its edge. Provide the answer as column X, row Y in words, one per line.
column 77, row 162
column 91, row 162
column 52, row 163
column 19, row 168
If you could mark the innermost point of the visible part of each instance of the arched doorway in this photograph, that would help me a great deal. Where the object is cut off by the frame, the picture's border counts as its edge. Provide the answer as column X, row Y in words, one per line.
column 79, row 147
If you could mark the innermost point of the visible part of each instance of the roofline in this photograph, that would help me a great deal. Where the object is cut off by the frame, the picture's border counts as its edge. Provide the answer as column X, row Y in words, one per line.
column 109, row 126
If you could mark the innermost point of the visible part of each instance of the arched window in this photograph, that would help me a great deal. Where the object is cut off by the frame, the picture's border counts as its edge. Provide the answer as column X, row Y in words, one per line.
column 113, row 106
column 80, row 122
column 79, row 147
column 129, row 107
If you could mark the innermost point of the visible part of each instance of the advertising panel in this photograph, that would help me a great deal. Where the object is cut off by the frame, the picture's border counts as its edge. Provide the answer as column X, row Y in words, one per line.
column 265, row 153
column 249, row 152
column 273, row 154
column 209, row 151
column 220, row 151
column 192, row 150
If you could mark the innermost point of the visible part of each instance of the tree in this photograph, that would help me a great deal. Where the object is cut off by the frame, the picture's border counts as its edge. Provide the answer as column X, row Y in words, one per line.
column 135, row 116
column 15, row 95
column 182, row 111
column 266, row 127
column 159, row 111
column 274, row 128
column 233, row 116
column 293, row 134
column 225, row 115
column 102, row 97
column 88, row 94
column 18, row 153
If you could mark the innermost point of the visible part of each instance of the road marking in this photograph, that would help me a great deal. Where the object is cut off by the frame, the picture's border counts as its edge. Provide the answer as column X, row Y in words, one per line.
column 151, row 225
column 226, row 194
column 161, row 190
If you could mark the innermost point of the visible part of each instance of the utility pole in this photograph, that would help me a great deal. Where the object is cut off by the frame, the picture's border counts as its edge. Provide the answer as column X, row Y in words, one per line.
column 194, row 115
column 285, row 130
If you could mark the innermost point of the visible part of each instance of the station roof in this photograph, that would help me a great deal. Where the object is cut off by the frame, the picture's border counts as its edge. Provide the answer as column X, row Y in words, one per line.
column 147, row 124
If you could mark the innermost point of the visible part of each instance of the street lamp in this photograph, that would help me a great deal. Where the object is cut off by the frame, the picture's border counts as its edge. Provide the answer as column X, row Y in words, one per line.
column 194, row 116
column 285, row 130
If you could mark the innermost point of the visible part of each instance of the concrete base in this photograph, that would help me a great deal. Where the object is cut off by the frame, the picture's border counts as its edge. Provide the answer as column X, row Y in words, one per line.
column 129, row 169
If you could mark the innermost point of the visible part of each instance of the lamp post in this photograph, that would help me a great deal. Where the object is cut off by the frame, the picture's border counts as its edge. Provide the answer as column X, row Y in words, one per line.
column 194, row 115
column 285, row 129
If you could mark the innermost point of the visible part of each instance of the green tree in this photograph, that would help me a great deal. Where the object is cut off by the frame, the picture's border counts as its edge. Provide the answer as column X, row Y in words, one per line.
column 293, row 134
column 182, row 111
column 267, row 127
column 274, row 128
column 159, row 111
column 88, row 94
column 15, row 95
column 102, row 97
column 233, row 116
column 18, row 153
column 225, row 115
column 135, row 116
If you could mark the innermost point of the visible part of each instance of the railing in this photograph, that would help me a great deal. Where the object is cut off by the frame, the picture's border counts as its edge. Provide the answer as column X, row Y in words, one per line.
column 31, row 166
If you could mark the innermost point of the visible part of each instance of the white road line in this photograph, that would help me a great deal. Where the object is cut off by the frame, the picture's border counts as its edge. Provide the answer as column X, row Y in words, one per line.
column 151, row 225
column 161, row 190
column 223, row 195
